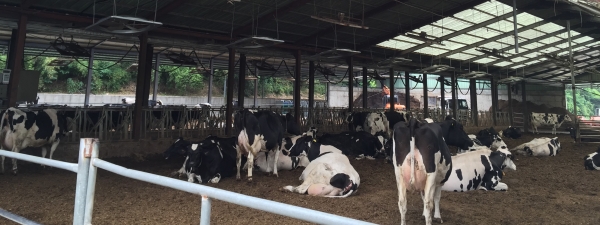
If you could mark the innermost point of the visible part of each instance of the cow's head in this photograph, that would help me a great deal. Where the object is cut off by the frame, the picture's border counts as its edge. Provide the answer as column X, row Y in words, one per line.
column 302, row 146
column 554, row 141
column 455, row 134
column 382, row 141
column 512, row 132
column 312, row 131
column 204, row 161
column 507, row 159
column 501, row 160
column 592, row 161
column 179, row 147
column 564, row 117
column 376, row 122
column 345, row 182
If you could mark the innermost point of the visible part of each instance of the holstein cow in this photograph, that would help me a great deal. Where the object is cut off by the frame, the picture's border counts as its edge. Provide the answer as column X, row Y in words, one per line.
column 360, row 144
column 488, row 138
column 212, row 159
column 481, row 169
column 512, row 132
column 421, row 162
column 370, row 122
column 454, row 133
column 284, row 162
column 178, row 148
column 539, row 147
column 551, row 119
column 31, row 129
column 289, row 124
column 329, row 173
column 592, row 160
column 394, row 117
column 257, row 131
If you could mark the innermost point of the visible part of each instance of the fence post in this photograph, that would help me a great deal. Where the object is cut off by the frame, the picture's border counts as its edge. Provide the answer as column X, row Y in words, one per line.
column 205, row 210
column 85, row 149
column 91, row 183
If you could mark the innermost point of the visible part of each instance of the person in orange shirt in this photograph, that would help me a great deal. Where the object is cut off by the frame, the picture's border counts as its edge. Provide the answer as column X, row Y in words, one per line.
column 386, row 90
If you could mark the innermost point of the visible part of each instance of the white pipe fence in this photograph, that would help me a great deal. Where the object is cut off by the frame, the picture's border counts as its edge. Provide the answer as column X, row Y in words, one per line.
column 89, row 163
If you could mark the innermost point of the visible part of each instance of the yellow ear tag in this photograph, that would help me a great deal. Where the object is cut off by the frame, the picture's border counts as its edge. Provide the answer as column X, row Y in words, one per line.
column 503, row 174
column 315, row 140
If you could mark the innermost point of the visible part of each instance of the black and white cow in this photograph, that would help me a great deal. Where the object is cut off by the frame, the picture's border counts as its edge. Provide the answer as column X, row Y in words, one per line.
column 394, row 117
column 360, row 144
column 421, row 162
column 592, row 160
column 539, row 147
column 212, row 159
column 329, row 173
column 178, row 148
column 288, row 121
column 370, row 122
column 285, row 162
column 487, row 138
column 547, row 119
column 512, row 132
column 479, row 170
column 454, row 133
column 257, row 131
column 22, row 129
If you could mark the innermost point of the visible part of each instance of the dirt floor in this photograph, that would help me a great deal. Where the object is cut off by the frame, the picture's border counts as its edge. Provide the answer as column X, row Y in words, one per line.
column 545, row 190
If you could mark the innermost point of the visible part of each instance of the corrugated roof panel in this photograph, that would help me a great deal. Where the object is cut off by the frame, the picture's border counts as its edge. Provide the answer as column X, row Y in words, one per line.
column 518, row 66
column 473, row 16
column 485, row 60
column 431, row 51
column 550, row 49
column 454, row 24
column 530, row 34
column 503, row 26
column 408, row 39
column 460, row 56
column 532, row 55
column 563, row 45
column 582, row 39
column 519, row 59
column 393, row 44
column 550, row 27
column 466, row 39
column 503, row 63
column 525, row 19
column 580, row 48
column 550, row 40
column 450, row 45
column 496, row 45
column 494, row 6
column 534, row 62
column 483, row 33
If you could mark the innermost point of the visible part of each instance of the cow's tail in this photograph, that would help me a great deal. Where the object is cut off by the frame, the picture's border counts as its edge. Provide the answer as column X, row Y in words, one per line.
column 413, row 126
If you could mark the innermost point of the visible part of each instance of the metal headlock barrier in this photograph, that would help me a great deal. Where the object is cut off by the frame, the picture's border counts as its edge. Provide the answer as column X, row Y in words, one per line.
column 89, row 163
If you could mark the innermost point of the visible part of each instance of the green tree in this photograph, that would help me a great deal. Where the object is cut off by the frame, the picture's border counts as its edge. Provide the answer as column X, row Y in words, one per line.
column 587, row 101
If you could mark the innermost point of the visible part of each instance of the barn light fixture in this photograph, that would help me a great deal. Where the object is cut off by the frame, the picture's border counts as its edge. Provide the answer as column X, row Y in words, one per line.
column 123, row 25
column 340, row 19
column 493, row 52
column 415, row 79
column 436, row 69
column 424, row 37
column 391, row 62
column 71, row 48
column 254, row 42
column 474, row 74
column 324, row 70
column 510, row 80
column 333, row 54
column 61, row 62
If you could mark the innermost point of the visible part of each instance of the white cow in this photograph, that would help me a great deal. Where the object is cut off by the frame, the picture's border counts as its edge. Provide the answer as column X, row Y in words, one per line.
column 539, row 147
column 481, row 169
column 551, row 119
column 284, row 163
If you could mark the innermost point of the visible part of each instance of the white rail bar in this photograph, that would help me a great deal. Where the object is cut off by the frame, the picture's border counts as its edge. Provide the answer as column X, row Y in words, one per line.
column 48, row 162
column 227, row 196
column 16, row 218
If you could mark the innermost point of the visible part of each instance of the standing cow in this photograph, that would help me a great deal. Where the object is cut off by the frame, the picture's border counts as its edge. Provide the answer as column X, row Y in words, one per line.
column 257, row 131
column 592, row 160
column 421, row 162
column 31, row 129
column 551, row 119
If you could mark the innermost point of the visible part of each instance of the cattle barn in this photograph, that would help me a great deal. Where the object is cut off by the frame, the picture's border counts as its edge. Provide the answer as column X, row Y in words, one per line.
column 350, row 69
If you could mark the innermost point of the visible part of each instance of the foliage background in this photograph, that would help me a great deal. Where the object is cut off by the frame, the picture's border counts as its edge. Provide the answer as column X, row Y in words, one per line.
column 587, row 100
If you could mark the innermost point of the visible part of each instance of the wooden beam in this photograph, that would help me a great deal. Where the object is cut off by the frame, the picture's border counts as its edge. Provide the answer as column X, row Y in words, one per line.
column 271, row 16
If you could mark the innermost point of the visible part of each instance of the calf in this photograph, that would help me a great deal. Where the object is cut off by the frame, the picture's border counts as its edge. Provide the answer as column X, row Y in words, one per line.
column 284, row 162
column 257, row 131
column 512, row 132
column 551, row 119
column 31, row 129
column 329, row 173
column 421, row 162
column 592, row 160
column 481, row 169
column 540, row 147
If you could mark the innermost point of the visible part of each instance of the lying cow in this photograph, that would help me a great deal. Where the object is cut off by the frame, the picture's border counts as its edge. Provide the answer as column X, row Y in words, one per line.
column 592, row 160
column 360, row 144
column 178, row 148
column 370, row 122
column 454, row 133
column 512, row 132
column 481, row 169
column 289, row 124
column 421, row 162
column 257, row 131
column 539, row 147
column 212, row 159
column 284, row 162
column 487, row 138
column 43, row 128
column 329, row 173
column 550, row 119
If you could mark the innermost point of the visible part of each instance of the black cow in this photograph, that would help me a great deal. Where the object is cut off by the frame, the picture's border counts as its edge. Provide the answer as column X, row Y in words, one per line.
column 212, row 159
column 394, row 117
column 361, row 143
column 454, row 133
column 288, row 121
column 22, row 129
column 257, row 131
column 178, row 148
column 512, row 132
column 421, row 162
column 592, row 161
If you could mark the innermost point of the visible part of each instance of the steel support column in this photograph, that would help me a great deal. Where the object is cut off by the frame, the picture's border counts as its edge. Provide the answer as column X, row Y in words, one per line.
column 256, row 88
column 148, row 74
column 241, row 81
column 510, row 106
column 297, row 81
column 454, row 97
column 425, row 97
column 494, row 100
column 407, row 90
column 365, row 90
column 442, row 97
column 311, row 90
column 229, row 91
column 524, row 106
column 16, row 61
column 474, row 111
column 350, row 84
column 573, row 90
column 139, row 89
column 210, row 80
column 88, row 83
column 515, row 27
column 156, row 77
column 392, row 91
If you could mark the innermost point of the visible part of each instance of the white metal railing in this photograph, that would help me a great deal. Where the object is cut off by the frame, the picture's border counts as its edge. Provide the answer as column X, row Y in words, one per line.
column 89, row 163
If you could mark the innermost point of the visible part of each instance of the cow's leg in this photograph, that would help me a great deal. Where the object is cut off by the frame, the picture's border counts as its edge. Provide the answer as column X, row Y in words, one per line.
column 436, row 198
column 401, row 199
column 428, row 197
column 53, row 148
column 238, row 163
column 302, row 189
column 44, row 150
column 250, row 164
column 14, row 161
column 501, row 187
column 554, row 129
column 275, row 161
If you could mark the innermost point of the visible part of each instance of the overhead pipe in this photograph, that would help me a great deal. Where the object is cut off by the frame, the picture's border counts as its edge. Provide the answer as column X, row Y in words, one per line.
column 515, row 24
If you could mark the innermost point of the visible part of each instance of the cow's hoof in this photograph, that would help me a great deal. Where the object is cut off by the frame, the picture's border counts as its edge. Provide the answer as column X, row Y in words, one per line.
column 275, row 175
column 249, row 179
column 14, row 172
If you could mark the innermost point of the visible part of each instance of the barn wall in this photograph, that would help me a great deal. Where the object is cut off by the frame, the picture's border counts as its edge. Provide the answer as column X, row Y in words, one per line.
column 538, row 94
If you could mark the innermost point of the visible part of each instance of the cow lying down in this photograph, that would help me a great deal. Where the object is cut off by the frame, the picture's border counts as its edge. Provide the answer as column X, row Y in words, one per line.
column 329, row 173
column 592, row 161
column 284, row 162
column 479, row 170
column 539, row 147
